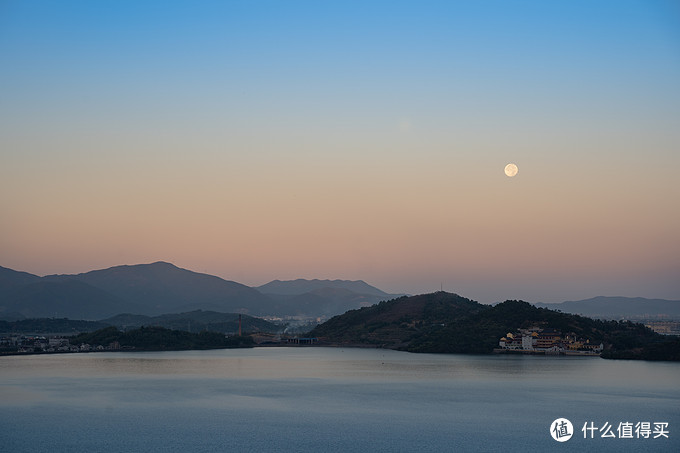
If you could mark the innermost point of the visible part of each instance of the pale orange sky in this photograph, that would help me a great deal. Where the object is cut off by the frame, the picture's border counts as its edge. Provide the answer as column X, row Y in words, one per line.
column 281, row 149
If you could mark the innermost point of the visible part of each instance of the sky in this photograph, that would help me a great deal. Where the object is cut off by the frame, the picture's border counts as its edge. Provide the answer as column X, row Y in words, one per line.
column 261, row 140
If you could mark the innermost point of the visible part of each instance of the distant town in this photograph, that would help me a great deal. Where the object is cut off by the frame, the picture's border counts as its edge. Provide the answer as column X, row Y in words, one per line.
column 28, row 344
column 662, row 327
column 37, row 344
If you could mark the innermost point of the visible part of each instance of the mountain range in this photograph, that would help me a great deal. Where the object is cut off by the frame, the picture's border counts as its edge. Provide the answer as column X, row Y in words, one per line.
column 325, row 297
column 637, row 308
column 160, row 288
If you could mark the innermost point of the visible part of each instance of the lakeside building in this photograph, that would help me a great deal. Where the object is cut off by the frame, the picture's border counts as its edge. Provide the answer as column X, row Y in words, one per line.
column 547, row 341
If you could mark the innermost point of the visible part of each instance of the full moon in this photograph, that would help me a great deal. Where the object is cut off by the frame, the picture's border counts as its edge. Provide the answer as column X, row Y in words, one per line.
column 511, row 170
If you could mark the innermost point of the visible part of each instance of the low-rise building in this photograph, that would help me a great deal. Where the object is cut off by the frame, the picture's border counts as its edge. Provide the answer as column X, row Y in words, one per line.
column 548, row 341
column 547, row 338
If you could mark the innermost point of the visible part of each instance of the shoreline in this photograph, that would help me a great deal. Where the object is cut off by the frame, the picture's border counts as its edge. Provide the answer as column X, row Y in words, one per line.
column 533, row 352
column 496, row 351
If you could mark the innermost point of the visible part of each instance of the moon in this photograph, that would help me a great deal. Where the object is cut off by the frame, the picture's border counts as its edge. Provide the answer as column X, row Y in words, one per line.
column 511, row 170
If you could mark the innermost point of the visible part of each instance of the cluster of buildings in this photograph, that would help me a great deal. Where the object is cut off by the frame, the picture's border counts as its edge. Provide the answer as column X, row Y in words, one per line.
column 547, row 341
column 32, row 344
column 664, row 327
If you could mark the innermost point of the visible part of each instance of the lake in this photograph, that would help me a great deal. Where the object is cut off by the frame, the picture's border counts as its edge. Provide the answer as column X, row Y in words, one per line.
column 332, row 400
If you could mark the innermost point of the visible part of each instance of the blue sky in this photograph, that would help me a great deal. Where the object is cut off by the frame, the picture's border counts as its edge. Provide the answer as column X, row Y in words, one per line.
column 360, row 140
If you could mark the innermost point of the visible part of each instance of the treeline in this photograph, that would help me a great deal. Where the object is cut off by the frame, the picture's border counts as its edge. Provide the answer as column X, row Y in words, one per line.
column 161, row 339
column 193, row 321
column 667, row 348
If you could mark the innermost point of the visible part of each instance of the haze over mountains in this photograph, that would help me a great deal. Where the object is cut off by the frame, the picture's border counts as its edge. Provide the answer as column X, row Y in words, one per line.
column 619, row 308
column 161, row 288
column 324, row 297
column 301, row 286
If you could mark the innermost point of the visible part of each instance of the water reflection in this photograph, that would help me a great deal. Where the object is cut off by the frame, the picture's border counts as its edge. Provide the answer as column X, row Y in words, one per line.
column 337, row 363
column 305, row 396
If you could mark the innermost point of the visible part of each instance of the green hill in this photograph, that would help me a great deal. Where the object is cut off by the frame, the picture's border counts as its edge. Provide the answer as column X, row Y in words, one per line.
column 194, row 321
column 397, row 323
column 448, row 323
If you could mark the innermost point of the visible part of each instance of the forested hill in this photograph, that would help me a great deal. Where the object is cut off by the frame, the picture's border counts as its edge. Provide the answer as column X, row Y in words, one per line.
column 444, row 322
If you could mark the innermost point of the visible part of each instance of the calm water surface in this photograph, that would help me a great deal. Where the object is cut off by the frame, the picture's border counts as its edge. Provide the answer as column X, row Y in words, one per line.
column 327, row 399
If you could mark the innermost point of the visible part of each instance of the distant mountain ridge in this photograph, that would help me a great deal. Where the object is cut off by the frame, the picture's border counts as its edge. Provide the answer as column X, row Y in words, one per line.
column 162, row 287
column 63, row 299
column 158, row 288
column 619, row 308
column 144, row 289
column 301, row 286
column 331, row 297
column 10, row 278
